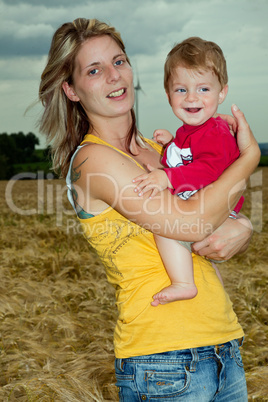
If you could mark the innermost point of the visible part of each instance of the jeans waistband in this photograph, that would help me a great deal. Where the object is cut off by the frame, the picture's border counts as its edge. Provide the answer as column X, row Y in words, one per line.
column 191, row 355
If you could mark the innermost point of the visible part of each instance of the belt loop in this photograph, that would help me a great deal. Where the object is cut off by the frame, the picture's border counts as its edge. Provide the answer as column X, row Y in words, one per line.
column 240, row 341
column 195, row 359
column 234, row 344
column 119, row 364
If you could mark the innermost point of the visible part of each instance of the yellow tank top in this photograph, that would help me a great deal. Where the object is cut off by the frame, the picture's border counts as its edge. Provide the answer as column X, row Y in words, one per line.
column 133, row 265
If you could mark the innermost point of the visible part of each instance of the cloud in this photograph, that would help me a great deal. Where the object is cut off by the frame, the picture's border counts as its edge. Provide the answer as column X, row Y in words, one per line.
column 149, row 29
column 16, row 47
column 145, row 35
column 48, row 3
column 28, row 28
column 21, row 68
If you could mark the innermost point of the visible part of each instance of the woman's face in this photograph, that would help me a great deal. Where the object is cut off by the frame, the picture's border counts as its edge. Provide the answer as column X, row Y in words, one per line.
column 102, row 79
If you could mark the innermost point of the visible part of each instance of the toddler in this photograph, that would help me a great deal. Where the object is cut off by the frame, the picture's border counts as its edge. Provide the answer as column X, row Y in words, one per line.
column 195, row 81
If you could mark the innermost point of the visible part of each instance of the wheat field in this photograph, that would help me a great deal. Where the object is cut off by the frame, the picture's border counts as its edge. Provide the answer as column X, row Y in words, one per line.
column 57, row 311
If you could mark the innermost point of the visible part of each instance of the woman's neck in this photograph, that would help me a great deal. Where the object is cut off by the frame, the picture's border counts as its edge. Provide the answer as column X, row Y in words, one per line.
column 115, row 131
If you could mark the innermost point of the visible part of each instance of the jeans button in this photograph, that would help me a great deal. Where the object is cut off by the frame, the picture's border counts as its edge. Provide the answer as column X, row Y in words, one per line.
column 144, row 397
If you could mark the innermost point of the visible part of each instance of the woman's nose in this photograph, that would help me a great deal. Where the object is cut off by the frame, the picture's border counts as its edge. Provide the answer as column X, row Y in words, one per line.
column 112, row 74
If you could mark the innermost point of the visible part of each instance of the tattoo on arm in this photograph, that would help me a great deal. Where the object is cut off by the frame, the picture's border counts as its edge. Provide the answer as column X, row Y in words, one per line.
column 75, row 175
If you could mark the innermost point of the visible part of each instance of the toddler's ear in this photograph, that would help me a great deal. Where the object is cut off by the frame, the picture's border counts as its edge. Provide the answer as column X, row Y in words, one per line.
column 223, row 93
column 168, row 97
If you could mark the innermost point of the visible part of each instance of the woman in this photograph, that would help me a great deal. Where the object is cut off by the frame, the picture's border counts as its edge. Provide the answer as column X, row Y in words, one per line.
column 182, row 350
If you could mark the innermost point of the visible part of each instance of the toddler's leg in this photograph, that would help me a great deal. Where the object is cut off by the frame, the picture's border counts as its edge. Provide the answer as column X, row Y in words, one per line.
column 179, row 265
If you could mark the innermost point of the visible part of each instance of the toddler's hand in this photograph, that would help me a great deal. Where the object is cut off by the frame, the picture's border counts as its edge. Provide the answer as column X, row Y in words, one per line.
column 163, row 137
column 155, row 181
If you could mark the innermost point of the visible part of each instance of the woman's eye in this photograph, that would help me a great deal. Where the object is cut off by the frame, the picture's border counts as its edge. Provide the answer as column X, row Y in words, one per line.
column 93, row 72
column 119, row 62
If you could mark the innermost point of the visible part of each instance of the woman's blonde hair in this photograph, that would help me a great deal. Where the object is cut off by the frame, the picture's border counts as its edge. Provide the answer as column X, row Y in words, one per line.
column 65, row 122
column 196, row 53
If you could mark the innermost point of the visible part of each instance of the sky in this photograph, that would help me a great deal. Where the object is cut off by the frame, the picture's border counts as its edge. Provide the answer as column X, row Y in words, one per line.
column 149, row 28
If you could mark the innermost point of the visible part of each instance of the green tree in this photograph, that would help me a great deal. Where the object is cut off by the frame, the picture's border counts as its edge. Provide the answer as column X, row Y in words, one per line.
column 25, row 146
column 16, row 148
column 8, row 148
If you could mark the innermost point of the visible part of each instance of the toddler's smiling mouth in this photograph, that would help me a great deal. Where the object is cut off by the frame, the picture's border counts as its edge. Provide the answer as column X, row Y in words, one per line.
column 193, row 109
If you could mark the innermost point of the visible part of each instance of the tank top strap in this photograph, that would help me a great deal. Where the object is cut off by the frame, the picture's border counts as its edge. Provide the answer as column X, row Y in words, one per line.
column 69, row 185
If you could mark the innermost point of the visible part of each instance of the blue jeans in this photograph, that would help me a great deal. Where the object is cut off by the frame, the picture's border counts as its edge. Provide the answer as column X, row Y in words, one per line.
column 210, row 373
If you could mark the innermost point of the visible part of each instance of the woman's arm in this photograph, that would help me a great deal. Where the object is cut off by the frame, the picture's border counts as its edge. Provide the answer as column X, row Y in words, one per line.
column 234, row 235
column 110, row 179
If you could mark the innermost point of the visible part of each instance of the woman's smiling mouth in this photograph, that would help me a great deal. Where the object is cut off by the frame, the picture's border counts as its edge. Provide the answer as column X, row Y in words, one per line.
column 115, row 94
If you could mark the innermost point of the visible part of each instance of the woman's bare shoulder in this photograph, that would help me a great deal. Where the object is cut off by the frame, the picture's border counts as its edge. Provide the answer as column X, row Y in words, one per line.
column 95, row 156
column 101, row 159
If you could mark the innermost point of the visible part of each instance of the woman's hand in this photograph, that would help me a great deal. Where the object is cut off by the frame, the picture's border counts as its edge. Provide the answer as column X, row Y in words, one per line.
column 231, row 238
column 245, row 139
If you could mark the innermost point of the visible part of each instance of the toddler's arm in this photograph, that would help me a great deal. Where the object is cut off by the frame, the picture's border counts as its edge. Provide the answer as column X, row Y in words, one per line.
column 156, row 180
column 163, row 137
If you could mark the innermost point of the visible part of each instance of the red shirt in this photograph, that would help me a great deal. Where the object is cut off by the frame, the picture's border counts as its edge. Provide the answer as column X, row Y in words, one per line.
column 198, row 156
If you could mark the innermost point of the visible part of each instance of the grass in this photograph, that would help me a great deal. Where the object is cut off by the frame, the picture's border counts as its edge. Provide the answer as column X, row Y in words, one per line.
column 57, row 311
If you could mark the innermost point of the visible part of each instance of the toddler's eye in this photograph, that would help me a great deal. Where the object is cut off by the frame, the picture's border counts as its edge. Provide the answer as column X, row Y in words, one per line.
column 204, row 89
column 181, row 90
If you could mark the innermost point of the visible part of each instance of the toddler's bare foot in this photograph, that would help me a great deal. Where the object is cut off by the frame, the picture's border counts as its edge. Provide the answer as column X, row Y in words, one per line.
column 174, row 292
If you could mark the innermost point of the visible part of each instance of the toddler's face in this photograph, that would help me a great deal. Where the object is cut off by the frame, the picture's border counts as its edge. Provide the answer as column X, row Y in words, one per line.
column 195, row 95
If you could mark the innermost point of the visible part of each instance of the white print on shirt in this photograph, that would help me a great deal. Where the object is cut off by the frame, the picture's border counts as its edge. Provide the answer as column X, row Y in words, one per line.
column 180, row 157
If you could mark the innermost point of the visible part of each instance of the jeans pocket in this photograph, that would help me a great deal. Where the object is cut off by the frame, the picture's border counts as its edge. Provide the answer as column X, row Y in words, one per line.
column 166, row 384
column 237, row 356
